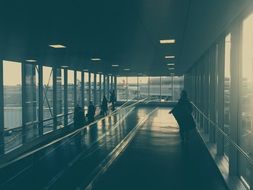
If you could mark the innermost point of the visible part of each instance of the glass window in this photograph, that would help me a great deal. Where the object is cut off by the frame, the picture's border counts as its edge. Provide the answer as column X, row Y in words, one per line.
column 227, row 81
column 178, row 85
column 60, row 97
column 47, row 98
column 166, row 89
column 155, row 88
column 132, row 88
column 143, row 87
column 245, row 127
column 12, row 77
column 71, row 98
column 79, row 87
column 121, row 89
column 86, row 91
column 98, row 89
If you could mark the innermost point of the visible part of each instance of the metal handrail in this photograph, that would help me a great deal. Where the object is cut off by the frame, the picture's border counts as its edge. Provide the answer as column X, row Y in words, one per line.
column 68, row 135
column 38, row 122
column 236, row 146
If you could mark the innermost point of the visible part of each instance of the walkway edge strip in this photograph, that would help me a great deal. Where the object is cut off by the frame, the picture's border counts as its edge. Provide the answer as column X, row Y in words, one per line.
column 116, row 152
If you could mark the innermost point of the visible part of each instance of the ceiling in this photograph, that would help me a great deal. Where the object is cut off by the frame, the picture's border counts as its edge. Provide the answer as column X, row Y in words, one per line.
column 125, row 33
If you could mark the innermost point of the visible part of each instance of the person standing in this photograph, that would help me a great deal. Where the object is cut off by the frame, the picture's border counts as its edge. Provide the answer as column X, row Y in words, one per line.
column 113, row 99
column 183, row 114
column 104, row 106
column 91, row 112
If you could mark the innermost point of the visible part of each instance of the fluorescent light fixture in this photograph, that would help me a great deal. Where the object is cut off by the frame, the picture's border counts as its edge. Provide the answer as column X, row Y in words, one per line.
column 169, row 56
column 110, row 74
column 115, row 65
column 64, row 66
column 171, row 68
column 57, row 46
column 31, row 60
column 85, row 70
column 168, row 41
column 99, row 72
column 95, row 59
column 127, row 69
column 170, row 64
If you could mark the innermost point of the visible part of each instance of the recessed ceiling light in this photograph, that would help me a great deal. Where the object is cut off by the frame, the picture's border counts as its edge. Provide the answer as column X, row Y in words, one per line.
column 31, row 60
column 95, row 59
column 169, row 56
column 171, row 68
column 99, row 72
column 168, row 41
column 115, row 65
column 57, row 46
column 64, row 66
column 170, row 64
column 127, row 69
column 110, row 74
column 85, row 70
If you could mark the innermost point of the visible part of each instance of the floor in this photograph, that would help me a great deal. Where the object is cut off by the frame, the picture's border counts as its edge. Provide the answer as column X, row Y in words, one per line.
column 154, row 159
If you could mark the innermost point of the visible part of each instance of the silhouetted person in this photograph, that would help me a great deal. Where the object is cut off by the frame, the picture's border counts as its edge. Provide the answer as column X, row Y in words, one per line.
column 104, row 106
column 183, row 114
column 91, row 112
column 113, row 99
column 79, row 119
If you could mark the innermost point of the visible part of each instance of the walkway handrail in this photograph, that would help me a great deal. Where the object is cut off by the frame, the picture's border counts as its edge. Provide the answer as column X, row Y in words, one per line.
column 236, row 146
column 68, row 135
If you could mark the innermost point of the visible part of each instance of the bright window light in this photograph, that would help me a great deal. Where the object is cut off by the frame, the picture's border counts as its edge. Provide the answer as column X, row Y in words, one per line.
column 57, row 46
column 169, row 56
column 31, row 60
column 168, row 41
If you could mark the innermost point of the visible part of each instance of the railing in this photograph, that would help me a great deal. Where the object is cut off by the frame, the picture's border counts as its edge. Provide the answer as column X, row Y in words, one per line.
column 72, row 134
column 226, row 137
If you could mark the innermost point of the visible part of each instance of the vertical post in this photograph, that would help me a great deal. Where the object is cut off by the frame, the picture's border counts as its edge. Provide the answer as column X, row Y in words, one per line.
column 89, row 85
column 65, row 90
column 235, row 94
column 1, row 110
column 115, row 86
column 149, row 88
column 108, row 90
column 138, row 88
column 75, row 94
column 40, row 89
column 24, row 95
column 160, row 88
column 54, row 97
column 172, row 87
column 95, row 89
column 82, row 90
column 221, row 70
column 100, row 88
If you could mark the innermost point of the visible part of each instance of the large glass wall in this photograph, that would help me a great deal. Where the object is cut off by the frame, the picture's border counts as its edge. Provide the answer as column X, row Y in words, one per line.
column 98, row 89
column 155, row 88
column 121, row 89
column 165, row 88
column 132, row 88
column 227, row 82
column 79, row 87
column 92, row 86
column 86, row 91
column 143, row 87
column 12, row 94
column 245, row 129
column 47, row 98
column 71, row 94
column 60, row 97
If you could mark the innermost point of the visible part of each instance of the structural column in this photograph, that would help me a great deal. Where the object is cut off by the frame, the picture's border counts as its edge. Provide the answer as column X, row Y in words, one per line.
column 40, row 89
column 89, row 86
column 1, row 110
column 54, row 98
column 24, row 110
column 235, row 94
column 220, row 104
column 82, row 90
column 65, row 97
